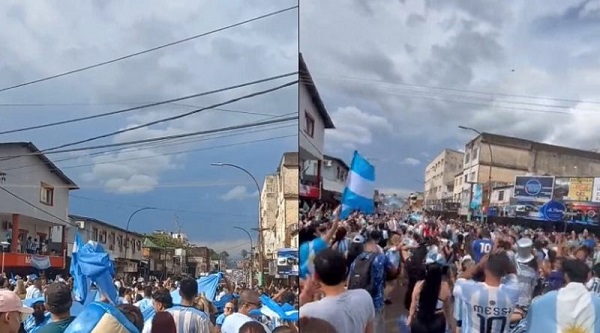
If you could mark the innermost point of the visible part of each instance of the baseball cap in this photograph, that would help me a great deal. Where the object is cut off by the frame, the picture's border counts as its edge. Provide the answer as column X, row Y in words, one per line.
column 58, row 294
column 10, row 302
column 358, row 239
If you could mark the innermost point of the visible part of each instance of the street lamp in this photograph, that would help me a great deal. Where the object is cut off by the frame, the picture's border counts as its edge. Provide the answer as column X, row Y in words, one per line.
column 260, row 234
column 251, row 253
column 129, row 221
column 490, row 172
column 4, row 246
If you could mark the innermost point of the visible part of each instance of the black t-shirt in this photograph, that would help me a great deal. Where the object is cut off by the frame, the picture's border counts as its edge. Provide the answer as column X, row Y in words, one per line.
column 56, row 326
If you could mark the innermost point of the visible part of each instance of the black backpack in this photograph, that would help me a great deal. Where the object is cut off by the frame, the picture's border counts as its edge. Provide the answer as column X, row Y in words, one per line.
column 362, row 277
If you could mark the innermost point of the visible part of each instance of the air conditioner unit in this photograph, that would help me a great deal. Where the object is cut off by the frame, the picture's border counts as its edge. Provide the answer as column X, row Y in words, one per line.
column 80, row 224
column 328, row 163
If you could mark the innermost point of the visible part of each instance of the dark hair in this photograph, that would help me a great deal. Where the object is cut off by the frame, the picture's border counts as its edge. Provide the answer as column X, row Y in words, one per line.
column 284, row 329
column 330, row 267
column 134, row 315
column 122, row 291
column 163, row 296
column 307, row 234
column 596, row 270
column 188, row 288
column 430, row 291
column 498, row 264
column 148, row 292
column 252, row 327
column 310, row 324
column 576, row 270
column 163, row 322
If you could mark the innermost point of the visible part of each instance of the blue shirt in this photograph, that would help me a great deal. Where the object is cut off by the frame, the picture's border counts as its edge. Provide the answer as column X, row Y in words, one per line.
column 378, row 272
column 220, row 319
column 481, row 247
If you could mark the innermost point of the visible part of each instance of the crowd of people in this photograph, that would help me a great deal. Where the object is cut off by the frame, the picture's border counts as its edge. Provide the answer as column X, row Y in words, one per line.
column 459, row 276
column 37, row 304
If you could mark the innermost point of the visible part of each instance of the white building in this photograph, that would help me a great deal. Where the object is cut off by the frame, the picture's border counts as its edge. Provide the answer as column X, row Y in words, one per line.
column 314, row 120
column 124, row 247
column 334, row 172
column 34, row 203
column 440, row 178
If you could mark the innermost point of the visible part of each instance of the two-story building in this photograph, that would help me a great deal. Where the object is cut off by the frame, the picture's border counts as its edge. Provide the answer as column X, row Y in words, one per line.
column 124, row 247
column 334, row 172
column 34, row 202
column 314, row 120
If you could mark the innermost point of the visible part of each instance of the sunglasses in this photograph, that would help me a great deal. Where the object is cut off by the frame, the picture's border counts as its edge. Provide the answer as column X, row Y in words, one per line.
column 228, row 308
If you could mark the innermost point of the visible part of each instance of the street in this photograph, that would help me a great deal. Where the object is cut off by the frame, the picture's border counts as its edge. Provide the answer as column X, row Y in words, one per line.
column 394, row 310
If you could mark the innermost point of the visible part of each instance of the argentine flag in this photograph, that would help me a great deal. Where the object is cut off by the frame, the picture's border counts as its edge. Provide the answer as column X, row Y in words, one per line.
column 80, row 282
column 360, row 187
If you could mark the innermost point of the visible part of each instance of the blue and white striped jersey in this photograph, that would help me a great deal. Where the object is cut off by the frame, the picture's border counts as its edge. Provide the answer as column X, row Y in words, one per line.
column 486, row 309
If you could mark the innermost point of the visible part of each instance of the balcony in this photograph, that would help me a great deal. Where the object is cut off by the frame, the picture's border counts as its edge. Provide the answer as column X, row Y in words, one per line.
column 22, row 260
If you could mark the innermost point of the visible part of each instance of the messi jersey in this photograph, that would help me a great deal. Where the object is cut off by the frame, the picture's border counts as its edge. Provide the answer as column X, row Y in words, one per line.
column 481, row 247
column 486, row 309
column 593, row 285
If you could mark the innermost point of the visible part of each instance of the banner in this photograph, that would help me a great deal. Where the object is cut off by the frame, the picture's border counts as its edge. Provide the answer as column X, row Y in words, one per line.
column 287, row 262
column 596, row 190
column 477, row 199
column 538, row 187
column 574, row 189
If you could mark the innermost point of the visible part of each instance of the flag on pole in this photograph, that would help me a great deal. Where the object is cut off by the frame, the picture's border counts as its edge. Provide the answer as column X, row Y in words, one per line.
column 80, row 283
column 360, row 187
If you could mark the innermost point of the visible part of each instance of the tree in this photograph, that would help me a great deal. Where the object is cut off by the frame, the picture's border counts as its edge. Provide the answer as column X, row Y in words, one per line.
column 244, row 254
column 224, row 255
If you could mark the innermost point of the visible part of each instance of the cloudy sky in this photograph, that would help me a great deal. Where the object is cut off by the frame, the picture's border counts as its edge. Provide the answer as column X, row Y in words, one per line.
column 399, row 77
column 38, row 39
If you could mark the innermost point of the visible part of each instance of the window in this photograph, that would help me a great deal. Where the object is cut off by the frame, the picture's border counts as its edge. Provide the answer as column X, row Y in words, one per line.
column 112, row 238
column 47, row 194
column 466, row 178
column 309, row 127
column 475, row 153
column 467, row 158
column 500, row 195
column 94, row 234
column 472, row 176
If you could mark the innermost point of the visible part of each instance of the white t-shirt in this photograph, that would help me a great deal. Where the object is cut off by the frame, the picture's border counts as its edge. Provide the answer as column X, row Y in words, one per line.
column 234, row 321
column 350, row 311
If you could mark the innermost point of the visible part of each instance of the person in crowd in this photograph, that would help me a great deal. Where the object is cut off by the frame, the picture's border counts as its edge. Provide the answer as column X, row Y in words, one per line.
column 20, row 289
column 228, row 309
column 483, row 245
column 58, row 301
column 187, row 317
column 145, row 302
column 593, row 284
column 248, row 300
column 570, row 309
column 163, row 322
column 134, row 315
column 431, row 307
column 162, row 300
column 11, row 312
column 252, row 327
column 35, row 290
column 488, row 304
column 38, row 318
column 311, row 324
column 347, row 310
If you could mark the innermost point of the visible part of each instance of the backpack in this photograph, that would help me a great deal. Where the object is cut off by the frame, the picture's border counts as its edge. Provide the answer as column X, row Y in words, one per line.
column 362, row 274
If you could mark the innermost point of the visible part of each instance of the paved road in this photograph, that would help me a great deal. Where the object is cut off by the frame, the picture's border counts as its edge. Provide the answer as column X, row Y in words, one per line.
column 394, row 310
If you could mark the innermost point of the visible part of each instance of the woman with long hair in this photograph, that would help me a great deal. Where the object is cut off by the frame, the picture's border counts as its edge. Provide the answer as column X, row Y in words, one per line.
column 431, row 306
column 20, row 290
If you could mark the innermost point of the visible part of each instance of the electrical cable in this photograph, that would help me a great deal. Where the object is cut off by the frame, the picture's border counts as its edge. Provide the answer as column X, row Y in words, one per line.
column 139, row 107
column 129, row 129
column 161, row 138
column 149, row 50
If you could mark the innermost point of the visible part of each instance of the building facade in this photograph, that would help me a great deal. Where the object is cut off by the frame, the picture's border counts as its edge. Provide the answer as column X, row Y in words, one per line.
column 34, row 204
column 334, row 172
column 440, row 178
column 499, row 159
column 124, row 247
column 314, row 120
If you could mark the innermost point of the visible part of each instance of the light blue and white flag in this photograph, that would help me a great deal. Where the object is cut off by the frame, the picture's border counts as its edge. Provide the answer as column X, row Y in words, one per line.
column 360, row 187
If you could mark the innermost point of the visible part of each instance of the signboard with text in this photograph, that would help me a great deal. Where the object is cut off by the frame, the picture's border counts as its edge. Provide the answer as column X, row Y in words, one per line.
column 596, row 190
column 573, row 189
column 287, row 262
column 534, row 187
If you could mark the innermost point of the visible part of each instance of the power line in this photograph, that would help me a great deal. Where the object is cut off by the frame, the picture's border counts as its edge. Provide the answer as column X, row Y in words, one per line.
column 161, row 138
column 157, row 155
column 149, row 50
column 129, row 129
column 461, row 90
column 139, row 107
column 153, row 146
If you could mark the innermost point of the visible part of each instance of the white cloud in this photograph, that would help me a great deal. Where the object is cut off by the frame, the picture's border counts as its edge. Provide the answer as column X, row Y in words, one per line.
column 411, row 161
column 355, row 127
column 238, row 193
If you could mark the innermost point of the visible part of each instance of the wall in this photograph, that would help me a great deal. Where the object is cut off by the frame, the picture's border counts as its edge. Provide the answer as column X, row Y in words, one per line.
column 25, row 182
column 314, row 145
column 505, row 200
column 439, row 175
column 269, row 211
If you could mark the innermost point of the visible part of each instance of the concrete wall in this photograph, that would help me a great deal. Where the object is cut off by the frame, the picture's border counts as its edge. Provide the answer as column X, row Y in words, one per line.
column 314, row 145
column 507, row 193
column 440, row 173
column 24, row 176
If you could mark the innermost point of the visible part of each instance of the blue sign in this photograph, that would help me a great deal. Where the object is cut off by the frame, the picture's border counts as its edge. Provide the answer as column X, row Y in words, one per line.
column 553, row 211
column 539, row 187
column 287, row 262
column 477, row 198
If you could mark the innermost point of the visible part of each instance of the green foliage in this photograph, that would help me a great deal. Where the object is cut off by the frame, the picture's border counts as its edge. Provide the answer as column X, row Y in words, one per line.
column 244, row 254
column 165, row 241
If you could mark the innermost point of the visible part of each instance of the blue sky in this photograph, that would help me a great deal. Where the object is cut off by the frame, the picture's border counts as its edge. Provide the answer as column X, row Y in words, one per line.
column 399, row 77
column 208, row 201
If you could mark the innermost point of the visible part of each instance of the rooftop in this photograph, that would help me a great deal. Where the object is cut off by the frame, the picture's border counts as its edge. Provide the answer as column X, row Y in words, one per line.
column 307, row 80
column 105, row 224
column 339, row 160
